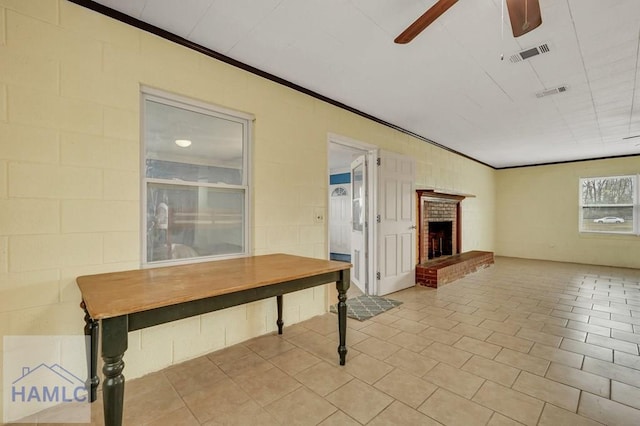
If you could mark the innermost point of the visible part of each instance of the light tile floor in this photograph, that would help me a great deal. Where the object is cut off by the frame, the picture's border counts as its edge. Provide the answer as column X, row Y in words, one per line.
column 523, row 342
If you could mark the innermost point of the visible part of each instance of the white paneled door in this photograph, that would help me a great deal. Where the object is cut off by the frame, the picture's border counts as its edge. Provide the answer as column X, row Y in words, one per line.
column 397, row 225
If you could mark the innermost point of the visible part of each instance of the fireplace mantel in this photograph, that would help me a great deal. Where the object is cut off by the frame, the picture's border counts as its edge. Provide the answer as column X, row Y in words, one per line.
column 440, row 193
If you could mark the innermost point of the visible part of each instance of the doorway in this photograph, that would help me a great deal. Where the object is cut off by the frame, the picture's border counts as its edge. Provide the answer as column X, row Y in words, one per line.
column 351, row 238
column 383, row 235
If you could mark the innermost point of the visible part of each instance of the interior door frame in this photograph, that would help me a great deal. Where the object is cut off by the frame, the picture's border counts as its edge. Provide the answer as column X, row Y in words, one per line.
column 371, row 153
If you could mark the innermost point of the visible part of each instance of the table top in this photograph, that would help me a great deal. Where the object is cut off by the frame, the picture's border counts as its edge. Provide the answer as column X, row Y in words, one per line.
column 121, row 293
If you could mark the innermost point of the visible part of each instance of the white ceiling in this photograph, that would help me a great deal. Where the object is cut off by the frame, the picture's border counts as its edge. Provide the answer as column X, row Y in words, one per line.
column 449, row 85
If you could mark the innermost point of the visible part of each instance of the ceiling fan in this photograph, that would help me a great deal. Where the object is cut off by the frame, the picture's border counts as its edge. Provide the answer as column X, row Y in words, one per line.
column 523, row 14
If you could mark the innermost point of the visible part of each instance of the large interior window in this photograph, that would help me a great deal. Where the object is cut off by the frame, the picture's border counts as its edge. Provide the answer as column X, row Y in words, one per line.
column 609, row 204
column 195, row 182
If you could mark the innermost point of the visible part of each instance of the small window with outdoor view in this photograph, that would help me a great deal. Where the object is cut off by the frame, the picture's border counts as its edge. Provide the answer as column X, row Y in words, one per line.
column 608, row 204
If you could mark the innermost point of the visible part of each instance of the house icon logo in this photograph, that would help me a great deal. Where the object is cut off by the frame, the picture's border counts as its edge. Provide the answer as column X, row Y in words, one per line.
column 48, row 384
column 45, row 379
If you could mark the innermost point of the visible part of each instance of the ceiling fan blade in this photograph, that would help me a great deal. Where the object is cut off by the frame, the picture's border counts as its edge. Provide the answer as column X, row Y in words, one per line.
column 424, row 21
column 524, row 16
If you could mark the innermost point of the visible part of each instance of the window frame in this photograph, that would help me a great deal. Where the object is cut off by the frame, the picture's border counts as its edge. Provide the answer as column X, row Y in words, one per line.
column 190, row 104
column 634, row 205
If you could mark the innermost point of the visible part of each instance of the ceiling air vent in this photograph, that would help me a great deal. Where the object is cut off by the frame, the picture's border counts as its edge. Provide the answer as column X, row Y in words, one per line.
column 553, row 91
column 529, row 53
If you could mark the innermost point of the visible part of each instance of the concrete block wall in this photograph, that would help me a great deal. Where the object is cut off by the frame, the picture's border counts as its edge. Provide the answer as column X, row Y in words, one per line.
column 70, row 168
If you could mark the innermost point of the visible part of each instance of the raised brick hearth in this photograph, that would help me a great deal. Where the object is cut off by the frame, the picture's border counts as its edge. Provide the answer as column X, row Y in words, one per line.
column 441, row 271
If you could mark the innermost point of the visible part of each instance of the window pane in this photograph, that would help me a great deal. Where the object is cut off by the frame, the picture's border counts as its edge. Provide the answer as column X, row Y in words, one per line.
column 357, row 198
column 189, row 221
column 607, row 219
column 607, row 204
column 214, row 151
column 607, row 190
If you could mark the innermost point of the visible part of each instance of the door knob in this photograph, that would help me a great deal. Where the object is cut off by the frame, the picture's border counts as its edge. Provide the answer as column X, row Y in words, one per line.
column 412, row 227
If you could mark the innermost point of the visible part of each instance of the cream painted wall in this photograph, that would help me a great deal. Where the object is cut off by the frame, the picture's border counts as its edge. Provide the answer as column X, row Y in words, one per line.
column 69, row 172
column 537, row 215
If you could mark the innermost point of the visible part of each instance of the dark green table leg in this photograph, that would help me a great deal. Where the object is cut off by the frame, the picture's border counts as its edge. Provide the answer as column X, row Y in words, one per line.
column 91, row 328
column 114, row 344
column 342, row 286
column 279, row 322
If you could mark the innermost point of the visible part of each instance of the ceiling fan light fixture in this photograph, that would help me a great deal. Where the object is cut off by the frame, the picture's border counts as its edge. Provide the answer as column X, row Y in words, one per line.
column 424, row 21
column 524, row 15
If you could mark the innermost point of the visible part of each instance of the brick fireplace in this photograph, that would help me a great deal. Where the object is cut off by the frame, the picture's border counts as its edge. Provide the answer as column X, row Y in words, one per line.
column 439, row 225
column 441, row 260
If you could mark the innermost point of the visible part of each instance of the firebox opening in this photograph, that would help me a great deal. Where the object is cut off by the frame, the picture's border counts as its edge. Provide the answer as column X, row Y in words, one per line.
column 440, row 240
